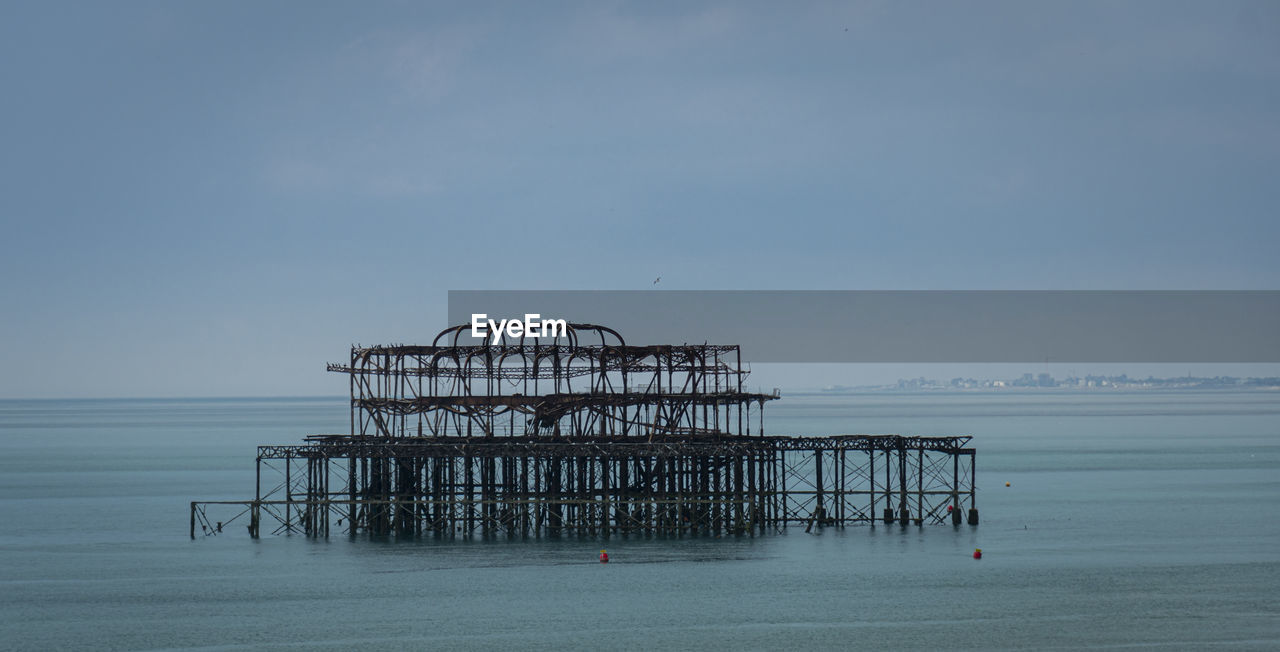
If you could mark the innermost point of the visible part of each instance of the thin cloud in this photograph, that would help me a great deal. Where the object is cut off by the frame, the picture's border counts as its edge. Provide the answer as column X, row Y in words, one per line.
column 420, row 64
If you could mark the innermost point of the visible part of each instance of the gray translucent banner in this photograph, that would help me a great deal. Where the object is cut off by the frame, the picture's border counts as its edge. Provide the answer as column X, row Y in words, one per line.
column 919, row 326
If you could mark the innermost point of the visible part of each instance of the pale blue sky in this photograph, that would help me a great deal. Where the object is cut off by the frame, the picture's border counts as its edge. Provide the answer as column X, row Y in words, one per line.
column 217, row 198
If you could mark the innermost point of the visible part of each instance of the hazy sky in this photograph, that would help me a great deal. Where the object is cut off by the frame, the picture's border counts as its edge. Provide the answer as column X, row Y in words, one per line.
column 217, row 198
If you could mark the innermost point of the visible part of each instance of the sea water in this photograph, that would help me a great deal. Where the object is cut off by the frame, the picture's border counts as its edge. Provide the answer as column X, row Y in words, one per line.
column 1131, row 519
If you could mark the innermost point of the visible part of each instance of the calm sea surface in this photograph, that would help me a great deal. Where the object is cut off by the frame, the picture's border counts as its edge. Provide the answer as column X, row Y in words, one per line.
column 1132, row 520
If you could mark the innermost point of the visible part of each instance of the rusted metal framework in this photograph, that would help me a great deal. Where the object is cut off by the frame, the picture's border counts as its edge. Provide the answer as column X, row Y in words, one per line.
column 582, row 434
column 568, row 385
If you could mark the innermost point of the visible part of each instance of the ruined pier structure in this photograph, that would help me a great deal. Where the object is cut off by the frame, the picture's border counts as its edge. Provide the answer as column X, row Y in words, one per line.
column 582, row 434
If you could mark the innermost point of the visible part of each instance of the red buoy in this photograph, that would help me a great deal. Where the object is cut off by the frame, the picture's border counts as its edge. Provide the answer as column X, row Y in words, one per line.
column 977, row 553
column 604, row 557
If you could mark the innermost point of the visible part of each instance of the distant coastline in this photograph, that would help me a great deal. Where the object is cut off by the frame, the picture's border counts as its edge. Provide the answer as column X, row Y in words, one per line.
column 1046, row 382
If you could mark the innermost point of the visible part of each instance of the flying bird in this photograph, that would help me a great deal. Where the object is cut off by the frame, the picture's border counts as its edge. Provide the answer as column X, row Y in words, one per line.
column 655, row 281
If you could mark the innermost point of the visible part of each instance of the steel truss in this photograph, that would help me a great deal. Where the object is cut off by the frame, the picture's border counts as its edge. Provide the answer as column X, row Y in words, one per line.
column 653, row 440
